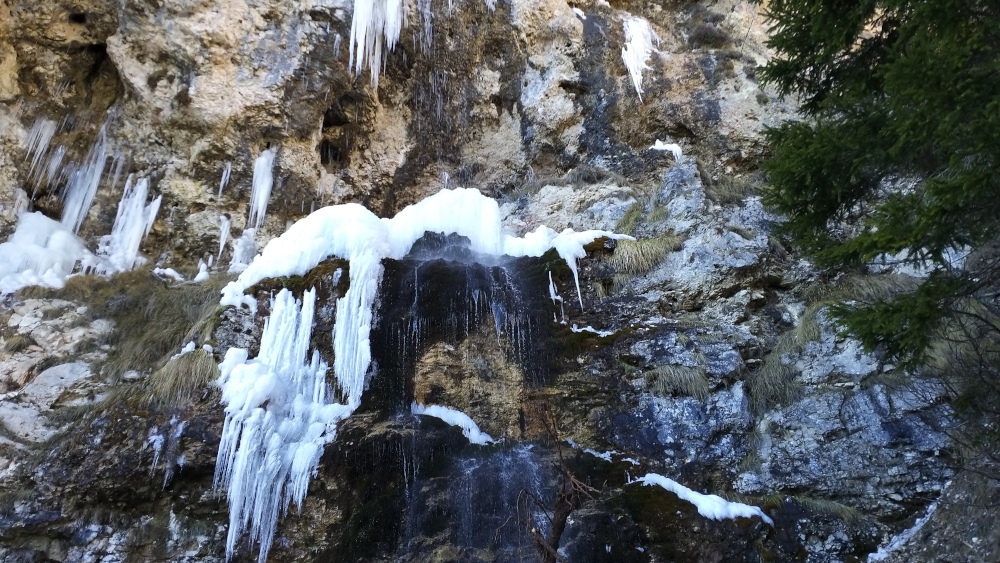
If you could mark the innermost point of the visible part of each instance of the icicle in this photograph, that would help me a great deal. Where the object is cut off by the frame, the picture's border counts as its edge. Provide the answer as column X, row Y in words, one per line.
column 83, row 184
column 263, row 178
column 52, row 170
column 21, row 202
column 226, row 171
column 224, row 224
column 375, row 28
column 556, row 298
column 39, row 139
column 120, row 249
column 639, row 41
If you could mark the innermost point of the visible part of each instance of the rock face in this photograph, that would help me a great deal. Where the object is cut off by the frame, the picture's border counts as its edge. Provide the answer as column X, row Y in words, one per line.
column 700, row 351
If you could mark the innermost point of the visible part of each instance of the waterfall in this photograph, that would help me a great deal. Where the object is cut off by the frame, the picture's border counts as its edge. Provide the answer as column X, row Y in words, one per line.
column 354, row 233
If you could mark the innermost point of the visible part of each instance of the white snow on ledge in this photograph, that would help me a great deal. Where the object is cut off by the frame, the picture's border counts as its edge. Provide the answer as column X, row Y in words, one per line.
column 709, row 506
column 455, row 418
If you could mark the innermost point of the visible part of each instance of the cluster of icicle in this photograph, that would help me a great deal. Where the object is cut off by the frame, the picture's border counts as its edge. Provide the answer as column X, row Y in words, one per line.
column 268, row 453
column 376, row 25
column 46, row 252
column 263, row 427
column 375, row 29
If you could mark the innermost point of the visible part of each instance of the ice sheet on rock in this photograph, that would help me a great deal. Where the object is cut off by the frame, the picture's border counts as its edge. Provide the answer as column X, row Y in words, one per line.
column 278, row 418
column 709, row 506
column 588, row 328
column 455, row 418
column 639, row 45
column 40, row 252
column 260, row 193
column 900, row 539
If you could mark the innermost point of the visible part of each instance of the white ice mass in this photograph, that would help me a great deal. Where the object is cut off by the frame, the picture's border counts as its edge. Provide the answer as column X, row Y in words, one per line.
column 260, row 193
column 455, row 418
column 40, row 252
column 278, row 418
column 709, row 506
column 639, row 42
column 119, row 251
column 255, row 463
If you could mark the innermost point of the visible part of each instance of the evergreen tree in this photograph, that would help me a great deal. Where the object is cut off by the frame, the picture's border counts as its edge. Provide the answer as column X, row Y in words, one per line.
column 898, row 154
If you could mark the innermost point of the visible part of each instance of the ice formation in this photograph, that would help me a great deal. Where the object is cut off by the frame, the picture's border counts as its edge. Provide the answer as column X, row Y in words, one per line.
column 356, row 234
column 202, row 274
column 224, row 224
column 226, row 171
column 639, row 42
column 84, row 182
column 39, row 139
column 244, row 249
column 278, row 418
column 40, row 252
column 168, row 273
column 709, row 506
column 674, row 149
column 375, row 29
column 120, row 250
column 260, row 193
column 900, row 539
column 256, row 439
column 455, row 418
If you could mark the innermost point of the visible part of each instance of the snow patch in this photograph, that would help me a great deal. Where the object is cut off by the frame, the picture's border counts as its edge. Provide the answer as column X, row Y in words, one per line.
column 455, row 418
column 674, row 149
column 709, row 506
column 40, row 252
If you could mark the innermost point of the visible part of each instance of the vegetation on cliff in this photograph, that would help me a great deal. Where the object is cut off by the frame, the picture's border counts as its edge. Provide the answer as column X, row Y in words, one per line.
column 894, row 166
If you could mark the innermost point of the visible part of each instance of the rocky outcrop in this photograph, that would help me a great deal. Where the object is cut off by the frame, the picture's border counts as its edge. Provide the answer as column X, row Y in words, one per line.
column 699, row 351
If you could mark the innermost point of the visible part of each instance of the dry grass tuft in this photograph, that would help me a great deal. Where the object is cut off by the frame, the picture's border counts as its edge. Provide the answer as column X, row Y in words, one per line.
column 683, row 380
column 152, row 319
column 637, row 257
column 181, row 380
column 18, row 343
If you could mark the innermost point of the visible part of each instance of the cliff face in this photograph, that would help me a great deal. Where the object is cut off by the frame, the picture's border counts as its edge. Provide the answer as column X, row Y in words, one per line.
column 707, row 356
